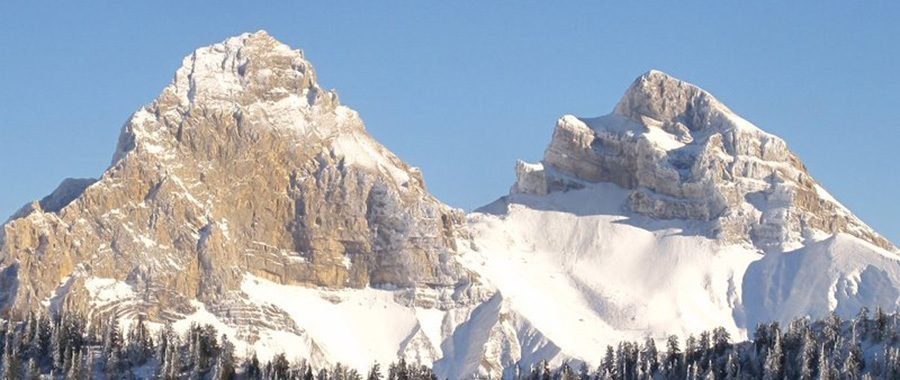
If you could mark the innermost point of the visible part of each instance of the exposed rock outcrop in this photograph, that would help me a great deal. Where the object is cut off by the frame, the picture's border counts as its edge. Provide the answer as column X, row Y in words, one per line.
column 685, row 155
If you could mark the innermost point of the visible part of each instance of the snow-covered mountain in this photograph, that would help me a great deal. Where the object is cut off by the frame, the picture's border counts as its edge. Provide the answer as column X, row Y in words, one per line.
column 667, row 216
column 246, row 196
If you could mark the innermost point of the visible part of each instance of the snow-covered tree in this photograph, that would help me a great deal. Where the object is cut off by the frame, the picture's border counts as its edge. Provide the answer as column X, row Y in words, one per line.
column 140, row 343
column 853, row 363
column 251, row 367
column 673, row 357
column 224, row 366
column 774, row 365
column 826, row 371
column 649, row 357
column 807, row 358
column 609, row 362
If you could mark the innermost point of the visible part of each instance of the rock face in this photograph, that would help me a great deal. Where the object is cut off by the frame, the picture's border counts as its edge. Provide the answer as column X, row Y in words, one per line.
column 684, row 155
column 243, row 164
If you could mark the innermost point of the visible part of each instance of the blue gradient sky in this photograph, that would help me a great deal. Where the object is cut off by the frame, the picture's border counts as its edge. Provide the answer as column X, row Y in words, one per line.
column 463, row 90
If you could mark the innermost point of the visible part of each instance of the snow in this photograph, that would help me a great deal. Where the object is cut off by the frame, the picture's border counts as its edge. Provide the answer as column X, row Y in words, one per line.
column 360, row 150
column 587, row 273
column 353, row 327
column 105, row 291
column 841, row 273
column 431, row 321
column 662, row 139
column 290, row 112
column 585, row 276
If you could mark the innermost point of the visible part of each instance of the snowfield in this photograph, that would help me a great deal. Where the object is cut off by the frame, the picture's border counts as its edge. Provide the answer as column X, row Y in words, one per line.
column 588, row 273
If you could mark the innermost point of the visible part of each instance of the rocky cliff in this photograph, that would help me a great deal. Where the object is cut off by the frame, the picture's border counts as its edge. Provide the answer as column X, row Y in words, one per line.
column 685, row 155
column 243, row 165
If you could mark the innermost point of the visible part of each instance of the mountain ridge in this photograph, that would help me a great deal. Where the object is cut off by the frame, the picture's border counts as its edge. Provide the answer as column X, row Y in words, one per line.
column 247, row 197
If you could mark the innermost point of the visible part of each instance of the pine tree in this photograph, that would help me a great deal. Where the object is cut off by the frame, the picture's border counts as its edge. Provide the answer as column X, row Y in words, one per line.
column 140, row 344
column 721, row 340
column 44, row 334
column 853, row 364
column 566, row 372
column 584, row 373
column 194, row 351
column 861, row 324
column 280, row 367
column 402, row 369
column 881, row 324
column 649, row 357
column 807, row 358
column 609, row 362
column 831, row 331
column 774, row 365
column 825, row 369
column 251, row 367
column 338, row 372
column 112, row 345
column 622, row 367
column 57, row 347
column 761, row 338
column 673, row 357
column 690, row 350
column 704, row 346
column 224, row 368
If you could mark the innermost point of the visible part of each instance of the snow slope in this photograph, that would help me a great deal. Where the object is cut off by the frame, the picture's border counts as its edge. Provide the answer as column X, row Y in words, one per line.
column 587, row 272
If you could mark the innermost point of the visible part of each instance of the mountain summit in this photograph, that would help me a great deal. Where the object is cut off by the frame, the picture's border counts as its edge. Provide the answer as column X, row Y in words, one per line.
column 243, row 165
column 685, row 155
column 247, row 197
column 669, row 214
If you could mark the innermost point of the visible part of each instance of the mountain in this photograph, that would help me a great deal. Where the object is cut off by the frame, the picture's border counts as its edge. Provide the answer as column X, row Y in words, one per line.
column 247, row 197
column 667, row 216
column 243, row 175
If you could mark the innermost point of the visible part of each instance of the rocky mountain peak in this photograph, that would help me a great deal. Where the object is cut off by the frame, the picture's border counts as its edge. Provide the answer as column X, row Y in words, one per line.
column 684, row 155
column 242, row 166
column 664, row 98
column 252, row 76
column 252, row 67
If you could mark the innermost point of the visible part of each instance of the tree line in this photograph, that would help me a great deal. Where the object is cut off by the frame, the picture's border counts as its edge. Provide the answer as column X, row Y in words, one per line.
column 66, row 347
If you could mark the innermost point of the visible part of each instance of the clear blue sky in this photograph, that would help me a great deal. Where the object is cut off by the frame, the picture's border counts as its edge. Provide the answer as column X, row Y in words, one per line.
column 463, row 90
